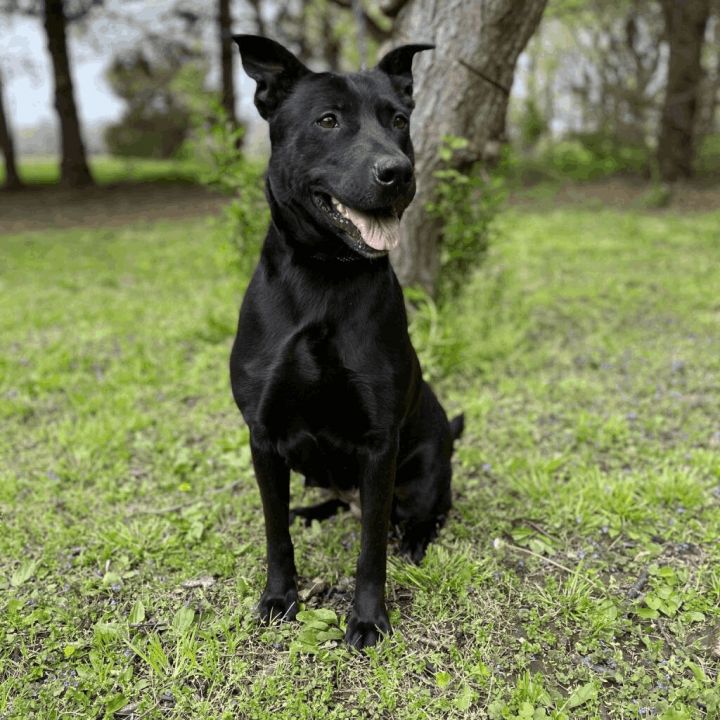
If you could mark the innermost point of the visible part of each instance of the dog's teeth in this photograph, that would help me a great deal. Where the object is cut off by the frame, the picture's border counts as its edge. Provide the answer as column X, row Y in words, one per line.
column 339, row 207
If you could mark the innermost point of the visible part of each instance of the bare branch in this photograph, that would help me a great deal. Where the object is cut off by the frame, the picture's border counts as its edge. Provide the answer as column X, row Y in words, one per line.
column 391, row 7
column 376, row 31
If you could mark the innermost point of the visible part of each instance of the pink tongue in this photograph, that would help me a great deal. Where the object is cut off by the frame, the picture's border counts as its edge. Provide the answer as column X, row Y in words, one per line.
column 380, row 233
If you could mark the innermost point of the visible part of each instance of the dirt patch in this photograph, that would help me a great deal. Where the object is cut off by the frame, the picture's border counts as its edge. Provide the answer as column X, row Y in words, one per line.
column 620, row 193
column 40, row 208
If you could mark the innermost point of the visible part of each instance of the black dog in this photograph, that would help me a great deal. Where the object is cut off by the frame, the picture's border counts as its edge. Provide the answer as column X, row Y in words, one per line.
column 322, row 367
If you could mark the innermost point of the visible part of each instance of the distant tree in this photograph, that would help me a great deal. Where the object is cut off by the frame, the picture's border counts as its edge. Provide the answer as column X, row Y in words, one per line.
column 56, row 16
column 329, row 34
column 685, row 24
column 163, row 93
column 710, row 91
column 462, row 89
column 605, row 70
column 227, row 55
column 74, row 170
column 12, row 179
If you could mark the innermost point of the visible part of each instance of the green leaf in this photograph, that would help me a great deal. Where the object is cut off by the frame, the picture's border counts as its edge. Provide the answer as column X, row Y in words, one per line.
column 107, row 630
column 676, row 714
column 69, row 650
column 697, row 671
column 653, row 602
column 321, row 615
column 442, row 679
column 23, row 573
column 581, row 695
column 137, row 614
column 111, row 578
column 464, row 699
column 115, row 703
column 671, row 605
column 526, row 711
column 183, row 620
column 331, row 634
column 315, row 624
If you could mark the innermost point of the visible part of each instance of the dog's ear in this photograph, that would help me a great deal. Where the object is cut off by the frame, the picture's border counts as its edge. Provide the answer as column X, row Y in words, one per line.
column 274, row 69
column 398, row 65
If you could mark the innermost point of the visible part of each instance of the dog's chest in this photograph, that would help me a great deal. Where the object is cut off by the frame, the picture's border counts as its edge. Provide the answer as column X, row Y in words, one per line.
column 321, row 377
column 314, row 406
column 311, row 386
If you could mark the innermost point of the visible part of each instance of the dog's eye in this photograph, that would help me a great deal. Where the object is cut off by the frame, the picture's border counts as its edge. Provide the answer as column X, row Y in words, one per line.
column 400, row 122
column 328, row 121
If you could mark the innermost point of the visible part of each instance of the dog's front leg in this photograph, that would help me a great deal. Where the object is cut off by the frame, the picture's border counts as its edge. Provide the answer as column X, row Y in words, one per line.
column 368, row 617
column 279, row 599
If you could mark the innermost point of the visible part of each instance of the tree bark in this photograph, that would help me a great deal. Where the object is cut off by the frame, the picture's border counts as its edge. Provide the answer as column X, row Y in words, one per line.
column 74, row 170
column 461, row 88
column 685, row 23
column 12, row 179
column 226, row 59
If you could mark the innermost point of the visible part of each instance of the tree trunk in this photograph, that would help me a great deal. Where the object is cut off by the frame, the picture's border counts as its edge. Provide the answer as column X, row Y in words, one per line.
column 685, row 24
column 74, row 171
column 12, row 179
column 710, row 87
column 226, row 59
column 461, row 88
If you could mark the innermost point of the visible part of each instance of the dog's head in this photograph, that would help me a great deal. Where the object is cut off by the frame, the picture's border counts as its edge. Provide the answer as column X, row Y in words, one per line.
column 342, row 162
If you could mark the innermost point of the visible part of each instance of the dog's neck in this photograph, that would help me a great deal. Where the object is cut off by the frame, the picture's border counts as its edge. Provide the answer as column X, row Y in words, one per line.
column 281, row 251
column 341, row 254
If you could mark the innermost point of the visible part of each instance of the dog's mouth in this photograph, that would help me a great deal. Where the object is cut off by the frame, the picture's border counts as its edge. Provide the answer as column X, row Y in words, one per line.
column 370, row 233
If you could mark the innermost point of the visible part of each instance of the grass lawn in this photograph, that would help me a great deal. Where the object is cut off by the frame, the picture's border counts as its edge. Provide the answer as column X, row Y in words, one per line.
column 579, row 573
column 107, row 169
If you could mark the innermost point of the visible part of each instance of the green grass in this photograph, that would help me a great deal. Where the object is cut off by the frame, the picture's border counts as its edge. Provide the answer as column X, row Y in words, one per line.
column 107, row 169
column 578, row 576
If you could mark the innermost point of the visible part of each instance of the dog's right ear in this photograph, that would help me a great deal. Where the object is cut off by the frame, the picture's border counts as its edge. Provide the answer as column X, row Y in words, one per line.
column 274, row 69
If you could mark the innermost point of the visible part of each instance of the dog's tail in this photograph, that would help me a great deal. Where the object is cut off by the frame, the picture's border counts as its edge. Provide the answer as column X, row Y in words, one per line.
column 457, row 425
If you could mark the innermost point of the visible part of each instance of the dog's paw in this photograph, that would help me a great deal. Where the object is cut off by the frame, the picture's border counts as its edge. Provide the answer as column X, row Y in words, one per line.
column 303, row 514
column 275, row 607
column 415, row 540
column 362, row 633
column 414, row 549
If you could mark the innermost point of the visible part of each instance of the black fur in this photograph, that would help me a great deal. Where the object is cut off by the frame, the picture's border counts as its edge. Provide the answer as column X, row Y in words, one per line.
column 322, row 367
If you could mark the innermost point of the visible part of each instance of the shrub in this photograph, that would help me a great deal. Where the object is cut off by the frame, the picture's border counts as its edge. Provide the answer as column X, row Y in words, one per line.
column 246, row 218
column 532, row 125
column 148, row 133
column 162, row 97
column 579, row 157
column 467, row 203
column 708, row 161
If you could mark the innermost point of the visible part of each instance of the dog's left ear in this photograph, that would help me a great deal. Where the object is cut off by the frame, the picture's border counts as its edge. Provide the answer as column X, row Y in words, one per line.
column 274, row 69
column 398, row 65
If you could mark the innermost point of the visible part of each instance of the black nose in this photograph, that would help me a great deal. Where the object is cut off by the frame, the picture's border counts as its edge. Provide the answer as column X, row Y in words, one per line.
column 393, row 171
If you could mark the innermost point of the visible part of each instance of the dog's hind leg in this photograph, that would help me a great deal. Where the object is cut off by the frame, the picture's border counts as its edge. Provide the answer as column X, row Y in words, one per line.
column 321, row 511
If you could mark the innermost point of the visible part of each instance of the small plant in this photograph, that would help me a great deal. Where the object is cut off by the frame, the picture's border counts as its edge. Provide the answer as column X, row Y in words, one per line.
column 532, row 125
column 658, row 197
column 245, row 218
column 467, row 203
column 320, row 632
